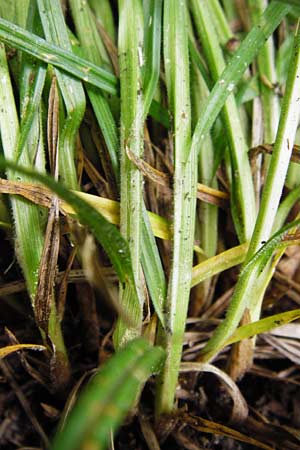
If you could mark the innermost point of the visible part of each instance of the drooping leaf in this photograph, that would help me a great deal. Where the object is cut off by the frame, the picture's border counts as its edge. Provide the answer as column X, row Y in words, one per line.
column 263, row 326
column 106, row 233
column 108, row 396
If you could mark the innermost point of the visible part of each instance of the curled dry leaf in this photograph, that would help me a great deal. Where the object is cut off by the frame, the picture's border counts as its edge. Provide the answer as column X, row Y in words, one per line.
column 240, row 409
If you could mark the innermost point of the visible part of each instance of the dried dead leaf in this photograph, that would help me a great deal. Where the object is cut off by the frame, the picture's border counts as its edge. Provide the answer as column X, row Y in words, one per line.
column 148, row 432
column 290, row 330
column 44, row 297
column 207, row 426
column 4, row 351
column 204, row 193
column 240, row 409
column 241, row 357
column 287, row 347
column 63, row 286
column 268, row 148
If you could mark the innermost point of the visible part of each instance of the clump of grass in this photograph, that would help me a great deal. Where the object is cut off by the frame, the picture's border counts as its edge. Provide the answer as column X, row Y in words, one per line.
column 147, row 105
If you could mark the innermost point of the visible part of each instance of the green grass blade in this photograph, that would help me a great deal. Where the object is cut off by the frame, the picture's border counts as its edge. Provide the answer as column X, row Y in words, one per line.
column 30, row 150
column 89, row 40
column 71, row 89
column 207, row 225
column 235, row 69
column 242, row 191
column 249, row 278
column 159, row 113
column 131, row 28
column 278, row 168
column 34, row 95
column 106, row 234
column 103, row 13
column 151, row 67
column 152, row 266
column 266, row 69
column 197, row 60
column 291, row 2
column 281, row 153
column 108, row 397
column 86, row 32
column 17, row 37
column 263, row 326
column 15, row 12
column 285, row 208
column 150, row 257
column 32, row 82
column 176, row 61
column 23, row 40
column 27, row 219
column 220, row 22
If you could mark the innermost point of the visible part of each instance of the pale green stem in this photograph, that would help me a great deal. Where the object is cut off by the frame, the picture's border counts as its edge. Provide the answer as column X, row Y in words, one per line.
column 131, row 29
column 27, row 219
column 103, row 13
column 242, row 191
column 220, row 22
column 184, row 197
column 255, row 282
column 72, row 91
column 267, row 73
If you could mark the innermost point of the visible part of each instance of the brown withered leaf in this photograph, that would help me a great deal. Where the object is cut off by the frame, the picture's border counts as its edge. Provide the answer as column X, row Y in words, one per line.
column 204, row 193
column 53, row 126
column 112, row 50
column 290, row 348
column 47, row 272
column 99, row 183
column 105, row 159
column 241, row 356
column 268, row 148
column 239, row 411
column 44, row 297
column 31, row 191
column 35, row 374
column 148, row 432
column 271, row 433
column 63, row 286
column 207, row 426
column 148, row 171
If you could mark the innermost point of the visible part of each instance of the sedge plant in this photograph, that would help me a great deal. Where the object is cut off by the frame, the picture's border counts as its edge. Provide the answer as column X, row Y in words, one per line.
column 133, row 71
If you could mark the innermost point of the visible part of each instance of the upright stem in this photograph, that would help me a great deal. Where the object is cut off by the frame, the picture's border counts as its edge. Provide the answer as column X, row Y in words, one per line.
column 242, row 190
column 131, row 57
column 250, row 287
column 184, row 197
column 267, row 73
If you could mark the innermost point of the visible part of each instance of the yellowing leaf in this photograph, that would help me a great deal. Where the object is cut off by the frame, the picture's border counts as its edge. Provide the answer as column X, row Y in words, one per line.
column 262, row 326
column 4, row 351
